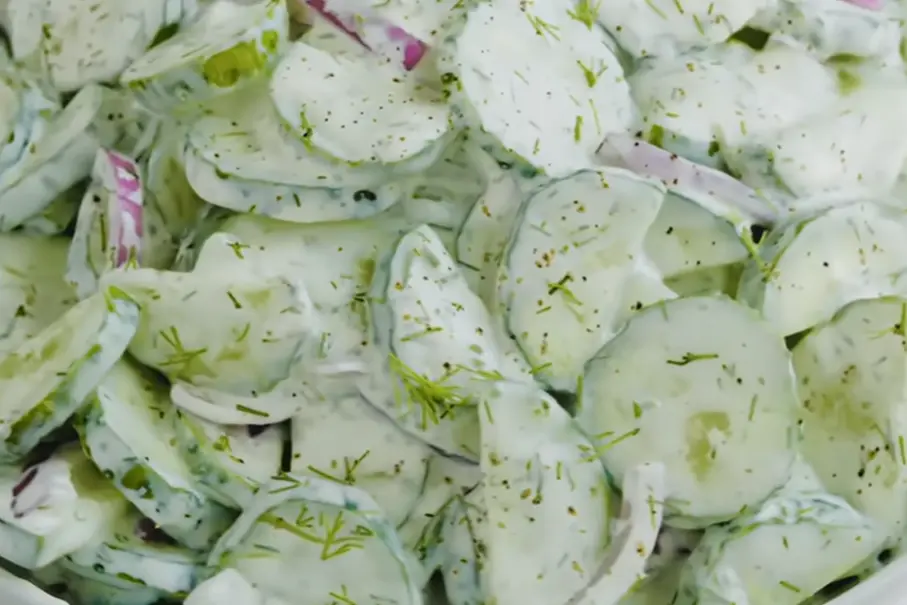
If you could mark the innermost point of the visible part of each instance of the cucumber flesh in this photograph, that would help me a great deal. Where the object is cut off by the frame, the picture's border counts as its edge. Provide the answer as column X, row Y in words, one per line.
column 23, row 592
column 571, row 254
column 35, row 292
column 850, row 374
column 809, row 268
column 435, row 344
column 229, row 463
column 127, row 551
column 226, row 46
column 235, row 332
column 726, row 396
column 374, row 454
column 330, row 528
column 129, row 434
column 227, row 585
column 47, row 378
column 537, row 465
column 537, row 81
column 322, row 97
column 812, row 539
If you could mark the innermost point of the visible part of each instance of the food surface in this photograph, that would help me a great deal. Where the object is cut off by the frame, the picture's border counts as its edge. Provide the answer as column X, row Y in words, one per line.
column 451, row 302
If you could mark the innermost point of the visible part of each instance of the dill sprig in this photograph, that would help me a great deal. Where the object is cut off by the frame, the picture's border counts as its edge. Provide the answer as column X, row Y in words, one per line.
column 436, row 399
column 586, row 12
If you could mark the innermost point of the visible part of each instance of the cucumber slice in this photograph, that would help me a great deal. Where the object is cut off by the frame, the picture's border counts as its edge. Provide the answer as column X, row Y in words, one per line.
column 781, row 554
column 134, row 551
column 357, row 109
column 642, row 512
column 828, row 29
column 331, row 530
column 542, row 484
column 228, row 463
column 685, row 237
column 166, row 185
column 714, row 281
column 435, row 341
column 227, row 586
column 850, row 375
column 573, row 249
column 447, row 479
column 225, row 47
column 373, row 453
column 86, row 586
column 130, row 436
column 443, row 195
column 809, row 268
column 23, row 592
column 35, row 293
column 721, row 402
column 851, row 148
column 56, row 216
column 115, row 226
column 663, row 28
column 235, row 332
column 55, row 507
column 538, row 81
column 463, row 550
column 242, row 159
column 54, row 162
column 483, row 236
column 67, row 35
column 46, row 378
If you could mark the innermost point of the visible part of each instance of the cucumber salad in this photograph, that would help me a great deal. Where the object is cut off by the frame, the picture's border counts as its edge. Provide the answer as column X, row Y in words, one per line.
column 451, row 302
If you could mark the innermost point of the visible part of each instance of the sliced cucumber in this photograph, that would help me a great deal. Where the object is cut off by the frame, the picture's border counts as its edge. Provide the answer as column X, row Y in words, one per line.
column 56, row 216
column 35, row 293
column 225, row 47
column 483, row 236
column 53, row 162
column 46, row 378
column 443, row 195
column 243, row 159
column 229, row 463
column 234, row 332
column 166, row 185
column 463, row 550
column 27, row 109
column 447, row 479
column 780, row 554
column 357, row 108
column 851, row 147
column 707, row 282
column 685, row 237
column 542, row 484
column 69, row 33
column 129, row 434
column 435, row 341
column 642, row 512
column 23, row 592
column 86, row 586
column 227, row 586
column 335, row 531
column 665, row 28
column 725, row 397
column 55, row 507
column 347, row 440
column 574, row 247
column 828, row 29
column 809, row 268
column 850, row 376
column 134, row 551
column 540, row 82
